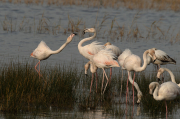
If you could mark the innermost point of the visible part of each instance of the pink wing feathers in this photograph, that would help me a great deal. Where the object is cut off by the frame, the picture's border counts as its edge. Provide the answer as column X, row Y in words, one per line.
column 105, row 59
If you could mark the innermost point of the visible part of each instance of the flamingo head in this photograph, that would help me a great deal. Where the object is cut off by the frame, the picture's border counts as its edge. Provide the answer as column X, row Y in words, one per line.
column 91, row 30
column 152, row 54
column 86, row 67
column 69, row 39
column 32, row 55
column 139, row 95
column 151, row 87
column 108, row 43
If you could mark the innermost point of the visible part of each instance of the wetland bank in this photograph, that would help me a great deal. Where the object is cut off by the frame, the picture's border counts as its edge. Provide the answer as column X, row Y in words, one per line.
column 66, row 94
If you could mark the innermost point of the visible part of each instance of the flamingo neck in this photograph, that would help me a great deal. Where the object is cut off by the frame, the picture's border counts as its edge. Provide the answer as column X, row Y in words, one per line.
column 155, row 94
column 60, row 49
column 138, row 69
column 171, row 74
column 135, row 84
column 85, row 39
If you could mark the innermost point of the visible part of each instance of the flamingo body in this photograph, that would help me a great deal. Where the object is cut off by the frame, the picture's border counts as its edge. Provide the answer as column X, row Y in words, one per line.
column 165, row 91
column 123, row 56
column 105, row 59
column 161, row 58
column 42, row 51
column 91, row 49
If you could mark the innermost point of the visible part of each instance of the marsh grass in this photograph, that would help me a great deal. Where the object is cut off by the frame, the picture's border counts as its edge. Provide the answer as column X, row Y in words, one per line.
column 22, row 91
column 20, row 87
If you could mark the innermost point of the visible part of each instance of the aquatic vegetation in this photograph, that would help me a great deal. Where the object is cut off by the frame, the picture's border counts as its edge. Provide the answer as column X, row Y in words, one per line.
column 113, row 31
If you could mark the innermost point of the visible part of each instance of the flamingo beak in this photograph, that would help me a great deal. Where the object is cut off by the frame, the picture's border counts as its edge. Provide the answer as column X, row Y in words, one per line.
column 75, row 33
column 159, row 79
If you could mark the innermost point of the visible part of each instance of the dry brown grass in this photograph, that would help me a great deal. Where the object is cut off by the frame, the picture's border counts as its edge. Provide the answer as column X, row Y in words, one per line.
column 130, row 4
column 112, row 31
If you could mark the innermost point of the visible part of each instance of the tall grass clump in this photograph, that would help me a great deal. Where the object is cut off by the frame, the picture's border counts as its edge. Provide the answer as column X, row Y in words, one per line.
column 21, row 88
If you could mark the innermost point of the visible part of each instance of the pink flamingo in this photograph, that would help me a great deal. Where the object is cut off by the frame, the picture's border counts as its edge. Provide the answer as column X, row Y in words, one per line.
column 165, row 91
column 133, row 63
column 116, row 51
column 42, row 52
column 104, row 59
column 88, row 51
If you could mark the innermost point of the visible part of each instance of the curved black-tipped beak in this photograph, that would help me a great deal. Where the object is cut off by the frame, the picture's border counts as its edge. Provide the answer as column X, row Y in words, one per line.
column 75, row 33
column 159, row 79
column 154, row 60
column 83, row 32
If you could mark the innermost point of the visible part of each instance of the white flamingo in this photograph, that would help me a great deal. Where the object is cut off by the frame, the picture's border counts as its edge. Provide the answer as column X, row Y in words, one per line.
column 165, row 91
column 133, row 63
column 104, row 59
column 121, row 59
column 116, row 51
column 43, row 52
column 161, row 70
column 88, row 51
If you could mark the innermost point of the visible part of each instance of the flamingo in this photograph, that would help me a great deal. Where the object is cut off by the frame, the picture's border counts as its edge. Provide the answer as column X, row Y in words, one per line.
column 165, row 91
column 116, row 51
column 161, row 70
column 161, row 58
column 88, row 51
column 43, row 52
column 121, row 59
column 104, row 59
column 133, row 63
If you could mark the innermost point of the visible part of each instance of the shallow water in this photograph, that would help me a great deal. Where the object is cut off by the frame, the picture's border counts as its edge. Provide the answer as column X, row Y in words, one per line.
column 18, row 45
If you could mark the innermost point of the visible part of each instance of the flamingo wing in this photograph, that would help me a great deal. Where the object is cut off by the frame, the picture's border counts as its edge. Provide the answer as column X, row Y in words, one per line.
column 91, row 49
column 163, row 57
column 114, row 49
column 105, row 59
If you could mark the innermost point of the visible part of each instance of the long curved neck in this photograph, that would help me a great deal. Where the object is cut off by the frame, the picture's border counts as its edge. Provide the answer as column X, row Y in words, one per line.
column 86, row 39
column 155, row 94
column 60, row 49
column 137, row 69
column 131, row 81
column 171, row 74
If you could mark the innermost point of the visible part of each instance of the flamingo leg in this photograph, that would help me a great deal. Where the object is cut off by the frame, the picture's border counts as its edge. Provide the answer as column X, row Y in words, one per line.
column 127, row 92
column 121, row 84
column 133, row 88
column 166, row 109
column 39, row 71
column 107, row 81
column 96, row 81
column 102, row 83
column 110, row 75
column 36, row 67
column 91, row 82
